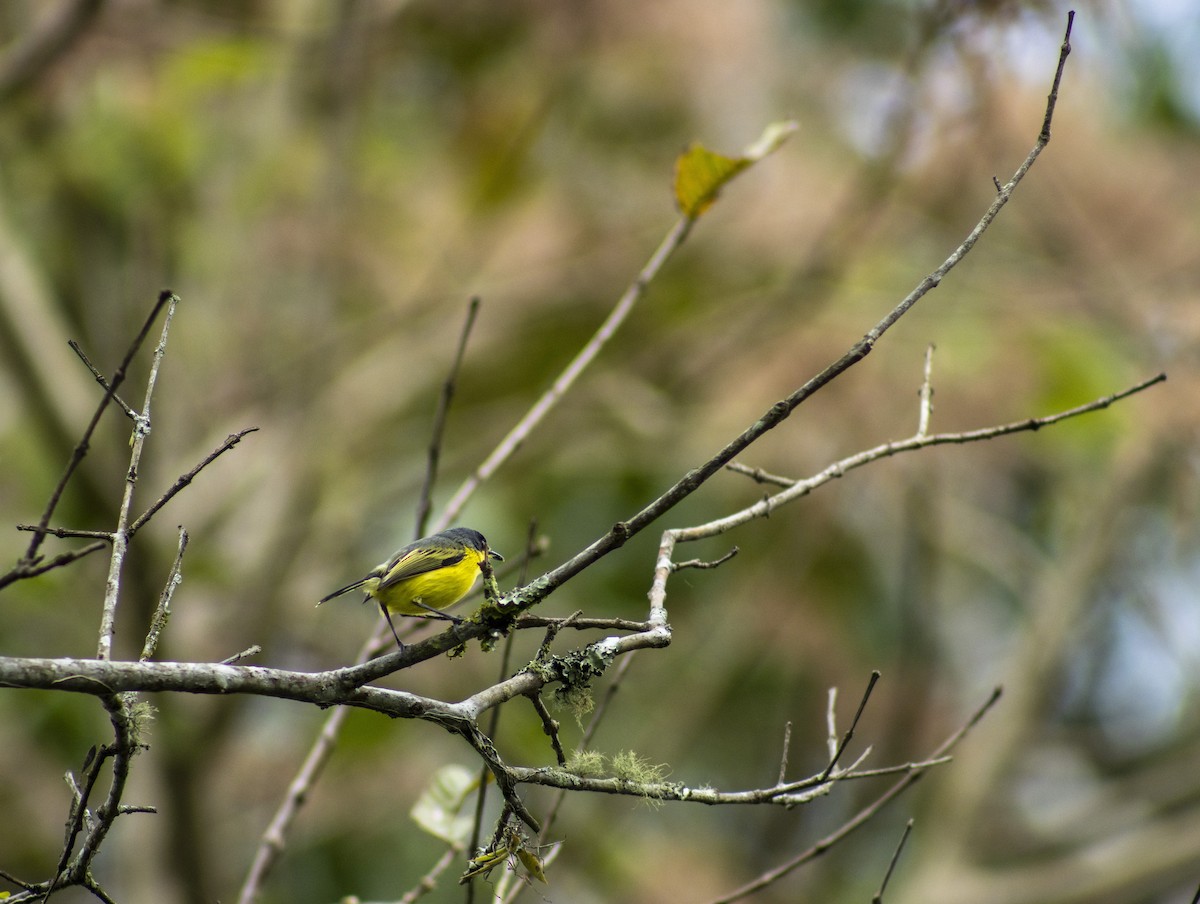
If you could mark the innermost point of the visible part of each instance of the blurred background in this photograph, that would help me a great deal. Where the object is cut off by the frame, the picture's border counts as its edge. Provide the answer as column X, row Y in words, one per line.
column 327, row 184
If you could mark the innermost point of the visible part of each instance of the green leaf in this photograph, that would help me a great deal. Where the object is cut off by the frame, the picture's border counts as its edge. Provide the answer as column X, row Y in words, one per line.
column 437, row 809
column 700, row 174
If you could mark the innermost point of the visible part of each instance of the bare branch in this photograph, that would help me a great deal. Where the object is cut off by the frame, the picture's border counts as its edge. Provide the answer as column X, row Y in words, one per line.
column 74, row 866
column 697, row 563
column 425, row 503
column 39, row 567
column 65, row 532
column 532, row 548
column 926, row 394
column 758, row 475
column 859, row 819
column 798, row 488
column 101, row 379
column 507, row 446
column 184, row 479
column 788, row 795
column 162, row 612
column 878, row 897
column 428, row 882
column 580, row 624
column 783, row 759
column 549, row 727
column 253, row 650
column 274, row 836
column 121, row 535
column 620, row 533
column 862, row 705
column 31, row 558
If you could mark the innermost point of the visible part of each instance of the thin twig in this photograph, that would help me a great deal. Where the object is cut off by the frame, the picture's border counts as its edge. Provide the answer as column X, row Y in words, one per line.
column 9, row 877
column 580, row 624
column 428, row 882
column 273, row 841
column 79, row 814
column 121, row 535
column 620, row 312
column 252, row 650
column 549, row 727
column 926, row 394
column 598, row 714
column 1052, row 98
column 758, row 475
column 798, row 488
column 30, row 559
column 61, row 560
column 831, row 732
column 859, row 819
column 162, row 612
column 702, row 564
column 862, row 705
column 74, row 867
column 783, row 759
column 787, row 795
column 531, row 549
column 184, row 479
column 622, row 531
column 878, row 897
column 425, row 500
column 122, row 750
column 506, row 781
column 101, row 379
column 64, row 533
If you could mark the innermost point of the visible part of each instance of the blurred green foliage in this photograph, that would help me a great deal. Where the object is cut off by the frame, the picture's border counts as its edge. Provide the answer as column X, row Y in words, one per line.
column 326, row 185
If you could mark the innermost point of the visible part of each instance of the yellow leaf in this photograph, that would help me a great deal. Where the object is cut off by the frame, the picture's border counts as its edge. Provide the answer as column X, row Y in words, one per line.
column 700, row 173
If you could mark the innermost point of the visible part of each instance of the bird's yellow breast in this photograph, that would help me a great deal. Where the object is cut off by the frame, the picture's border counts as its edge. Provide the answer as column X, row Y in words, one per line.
column 437, row 589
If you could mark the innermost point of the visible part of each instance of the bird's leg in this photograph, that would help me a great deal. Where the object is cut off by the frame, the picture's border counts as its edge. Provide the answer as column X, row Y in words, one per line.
column 388, row 616
column 438, row 613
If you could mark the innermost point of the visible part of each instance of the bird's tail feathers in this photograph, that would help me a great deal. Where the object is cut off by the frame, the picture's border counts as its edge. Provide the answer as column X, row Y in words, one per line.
column 342, row 590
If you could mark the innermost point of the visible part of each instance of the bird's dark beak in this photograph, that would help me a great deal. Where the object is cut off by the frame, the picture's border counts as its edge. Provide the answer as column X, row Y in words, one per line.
column 495, row 555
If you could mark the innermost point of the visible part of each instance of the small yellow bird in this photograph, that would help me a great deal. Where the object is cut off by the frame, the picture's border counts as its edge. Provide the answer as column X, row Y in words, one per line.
column 425, row 576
